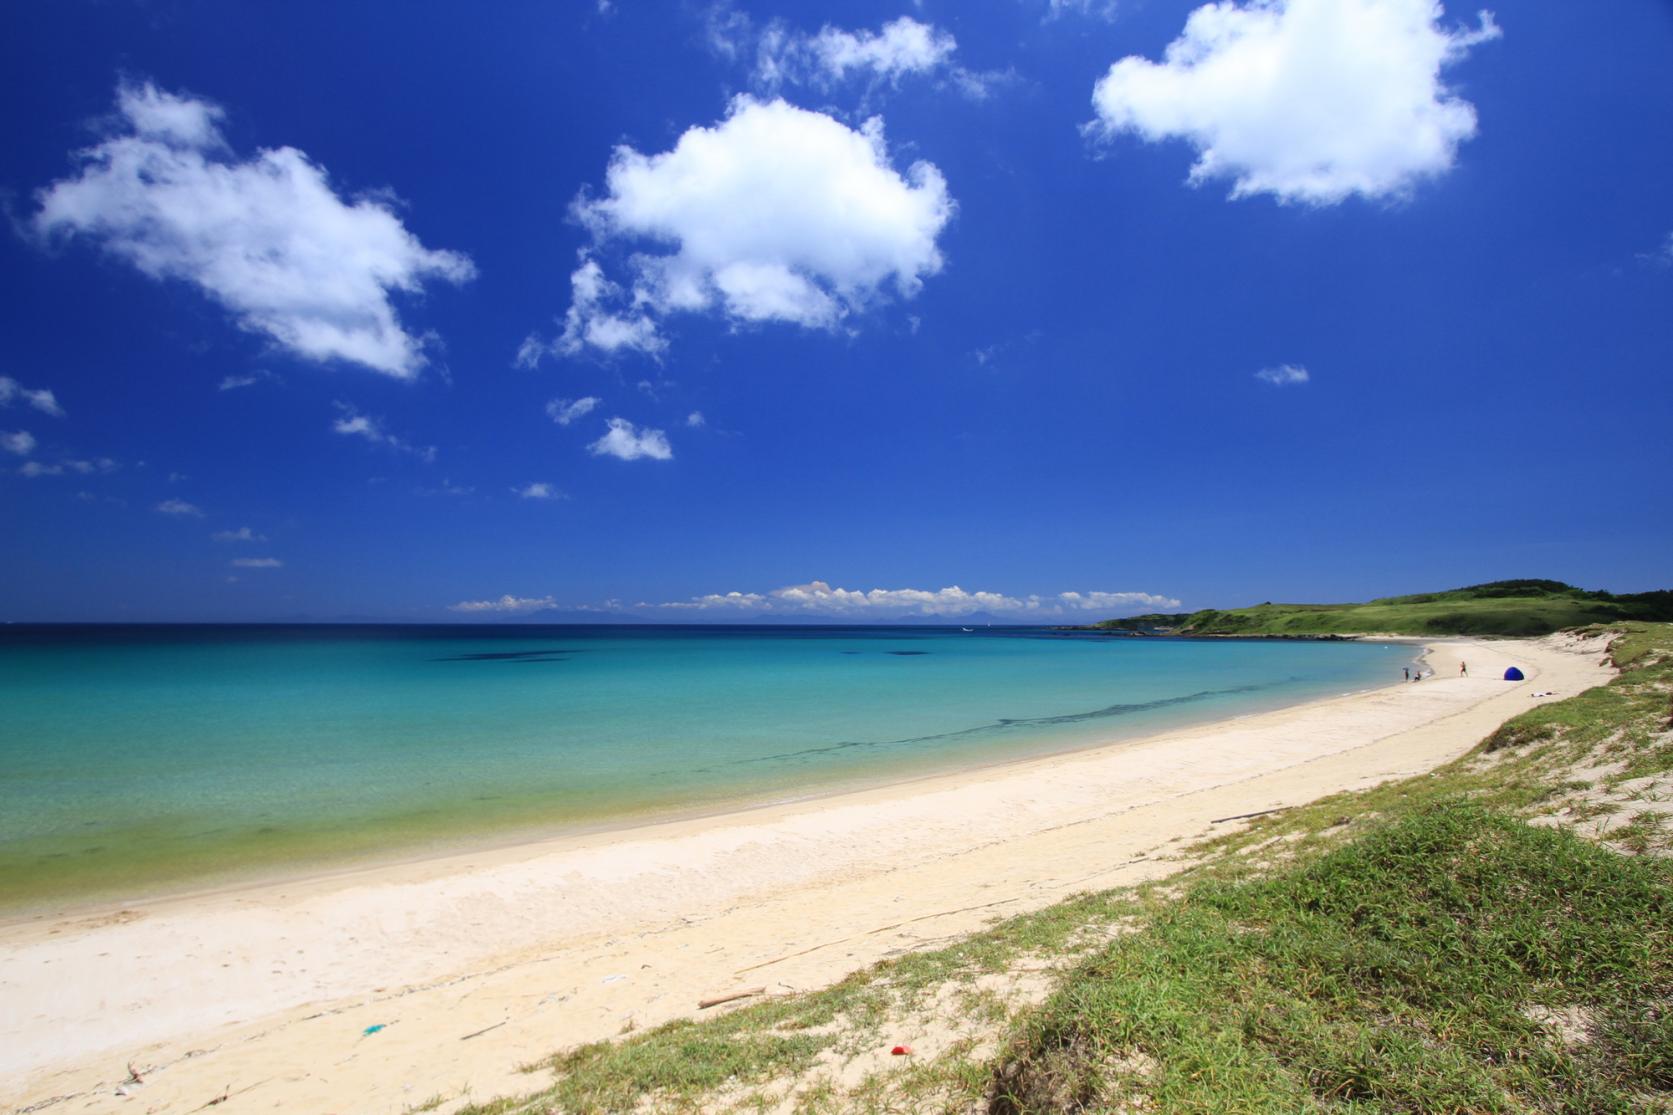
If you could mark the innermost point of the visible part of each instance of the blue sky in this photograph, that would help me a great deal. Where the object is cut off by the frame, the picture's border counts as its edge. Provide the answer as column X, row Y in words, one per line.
column 435, row 312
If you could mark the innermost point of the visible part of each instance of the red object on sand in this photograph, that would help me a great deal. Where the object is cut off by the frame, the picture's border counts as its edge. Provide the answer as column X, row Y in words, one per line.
column 900, row 1050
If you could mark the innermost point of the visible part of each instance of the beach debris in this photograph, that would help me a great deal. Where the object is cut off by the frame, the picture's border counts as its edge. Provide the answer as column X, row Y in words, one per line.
column 134, row 1076
column 612, row 979
column 1246, row 816
column 746, row 993
column 484, row 1030
column 226, row 1094
column 901, row 1051
column 370, row 1030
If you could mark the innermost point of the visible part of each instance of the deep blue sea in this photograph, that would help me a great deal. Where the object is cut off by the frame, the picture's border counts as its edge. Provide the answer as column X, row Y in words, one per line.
column 139, row 758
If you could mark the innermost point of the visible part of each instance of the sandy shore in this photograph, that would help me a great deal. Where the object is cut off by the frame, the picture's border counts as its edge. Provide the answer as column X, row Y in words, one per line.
column 475, row 964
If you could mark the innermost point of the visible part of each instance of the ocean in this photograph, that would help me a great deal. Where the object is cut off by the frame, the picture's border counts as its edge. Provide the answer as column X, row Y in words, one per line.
column 137, row 760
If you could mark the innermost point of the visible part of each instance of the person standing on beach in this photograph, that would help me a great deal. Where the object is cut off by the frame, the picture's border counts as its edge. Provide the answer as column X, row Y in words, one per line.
column 1407, row 670
column 1463, row 670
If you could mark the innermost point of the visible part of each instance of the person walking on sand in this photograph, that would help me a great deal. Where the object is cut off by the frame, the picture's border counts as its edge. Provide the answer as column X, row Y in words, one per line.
column 1463, row 670
column 1407, row 670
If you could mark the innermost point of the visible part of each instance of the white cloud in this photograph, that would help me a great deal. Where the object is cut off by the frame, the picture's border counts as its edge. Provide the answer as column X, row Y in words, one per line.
column 1662, row 256
column 20, row 442
column 40, row 398
column 773, row 214
column 180, row 508
column 244, row 379
column 565, row 411
column 1308, row 100
column 695, row 420
column 820, row 598
column 538, row 489
column 590, row 320
column 33, row 469
column 900, row 47
column 507, row 603
column 242, row 534
column 1284, row 375
column 351, row 423
column 267, row 237
column 257, row 563
column 628, row 443
column 1097, row 9
column 1101, row 601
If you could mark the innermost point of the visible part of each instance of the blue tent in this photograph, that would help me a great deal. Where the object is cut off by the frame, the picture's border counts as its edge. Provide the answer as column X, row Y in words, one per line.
column 1513, row 674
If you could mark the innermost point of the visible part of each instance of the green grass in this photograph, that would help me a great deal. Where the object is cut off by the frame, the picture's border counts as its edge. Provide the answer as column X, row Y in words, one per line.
column 1391, row 975
column 1518, row 608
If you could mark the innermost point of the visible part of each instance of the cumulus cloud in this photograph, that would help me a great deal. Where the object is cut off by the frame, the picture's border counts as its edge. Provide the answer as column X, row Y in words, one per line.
column 695, row 420
column 820, row 598
column 351, row 423
column 507, row 603
column 40, row 398
column 774, row 214
column 20, row 442
column 628, row 443
column 1284, row 375
column 267, row 237
column 538, row 489
column 180, row 509
column 242, row 534
column 565, row 411
column 1308, row 100
column 257, row 563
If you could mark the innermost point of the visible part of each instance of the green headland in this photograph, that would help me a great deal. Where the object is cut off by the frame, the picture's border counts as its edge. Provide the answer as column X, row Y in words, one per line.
column 1512, row 608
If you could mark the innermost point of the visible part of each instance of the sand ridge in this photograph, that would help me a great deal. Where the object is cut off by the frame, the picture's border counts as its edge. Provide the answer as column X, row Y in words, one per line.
column 475, row 964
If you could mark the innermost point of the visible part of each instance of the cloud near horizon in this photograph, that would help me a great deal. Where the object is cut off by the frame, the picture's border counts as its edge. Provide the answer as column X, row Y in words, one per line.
column 819, row 599
column 506, row 603
column 1310, row 101
column 774, row 214
column 267, row 237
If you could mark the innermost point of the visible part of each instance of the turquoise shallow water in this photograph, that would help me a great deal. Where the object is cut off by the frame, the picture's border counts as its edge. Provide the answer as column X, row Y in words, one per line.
column 136, row 758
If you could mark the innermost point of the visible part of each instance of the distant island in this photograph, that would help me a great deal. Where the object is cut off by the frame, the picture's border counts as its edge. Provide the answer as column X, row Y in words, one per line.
column 1511, row 608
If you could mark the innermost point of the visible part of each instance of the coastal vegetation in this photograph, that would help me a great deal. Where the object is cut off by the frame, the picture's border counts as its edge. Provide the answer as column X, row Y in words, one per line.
column 1511, row 608
column 1495, row 935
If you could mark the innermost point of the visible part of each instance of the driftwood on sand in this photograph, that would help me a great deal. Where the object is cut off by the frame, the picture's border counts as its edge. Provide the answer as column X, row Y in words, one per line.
column 746, row 993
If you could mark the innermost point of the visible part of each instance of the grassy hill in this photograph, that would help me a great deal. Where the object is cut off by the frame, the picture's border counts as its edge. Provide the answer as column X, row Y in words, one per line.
column 1498, row 608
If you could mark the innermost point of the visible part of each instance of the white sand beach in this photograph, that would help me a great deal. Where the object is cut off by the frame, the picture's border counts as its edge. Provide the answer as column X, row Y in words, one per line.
column 476, row 964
